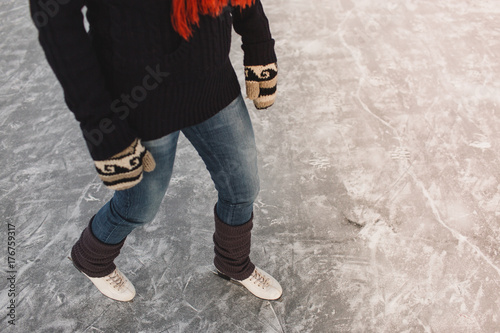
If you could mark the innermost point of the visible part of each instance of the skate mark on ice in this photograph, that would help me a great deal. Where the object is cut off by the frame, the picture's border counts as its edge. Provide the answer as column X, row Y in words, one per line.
column 455, row 233
column 401, row 153
column 277, row 318
column 190, row 306
column 321, row 163
column 187, row 283
column 481, row 142
column 61, row 236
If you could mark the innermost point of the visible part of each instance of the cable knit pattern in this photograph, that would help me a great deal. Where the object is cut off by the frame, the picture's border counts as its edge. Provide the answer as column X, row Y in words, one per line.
column 132, row 76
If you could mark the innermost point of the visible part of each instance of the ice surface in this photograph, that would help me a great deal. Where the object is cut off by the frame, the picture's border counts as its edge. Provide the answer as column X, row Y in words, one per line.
column 387, row 117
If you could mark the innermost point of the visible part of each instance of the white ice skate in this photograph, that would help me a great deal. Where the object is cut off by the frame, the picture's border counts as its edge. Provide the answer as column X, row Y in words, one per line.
column 260, row 283
column 115, row 285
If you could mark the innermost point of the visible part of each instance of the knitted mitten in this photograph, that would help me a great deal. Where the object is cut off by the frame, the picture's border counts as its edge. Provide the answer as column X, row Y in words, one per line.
column 261, row 82
column 232, row 249
column 124, row 170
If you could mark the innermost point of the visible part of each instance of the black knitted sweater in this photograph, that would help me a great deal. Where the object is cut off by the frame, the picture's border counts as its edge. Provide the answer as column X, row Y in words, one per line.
column 131, row 75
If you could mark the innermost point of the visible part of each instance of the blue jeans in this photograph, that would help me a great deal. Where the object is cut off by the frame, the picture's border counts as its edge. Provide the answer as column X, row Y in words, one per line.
column 226, row 144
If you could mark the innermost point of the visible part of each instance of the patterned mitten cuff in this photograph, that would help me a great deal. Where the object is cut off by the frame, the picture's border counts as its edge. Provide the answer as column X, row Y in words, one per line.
column 124, row 170
column 261, row 82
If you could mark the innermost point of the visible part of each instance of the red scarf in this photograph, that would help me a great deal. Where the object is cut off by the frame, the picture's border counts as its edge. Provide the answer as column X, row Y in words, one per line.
column 186, row 13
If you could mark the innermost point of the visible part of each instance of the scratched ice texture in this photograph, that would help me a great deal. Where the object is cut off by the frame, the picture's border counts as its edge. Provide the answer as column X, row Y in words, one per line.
column 380, row 201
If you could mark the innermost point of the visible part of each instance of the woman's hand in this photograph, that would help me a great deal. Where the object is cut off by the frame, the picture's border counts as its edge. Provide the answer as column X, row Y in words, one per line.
column 124, row 170
column 261, row 82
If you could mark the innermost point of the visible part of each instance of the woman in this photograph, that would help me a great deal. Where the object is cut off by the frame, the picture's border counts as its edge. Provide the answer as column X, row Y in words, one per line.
column 144, row 71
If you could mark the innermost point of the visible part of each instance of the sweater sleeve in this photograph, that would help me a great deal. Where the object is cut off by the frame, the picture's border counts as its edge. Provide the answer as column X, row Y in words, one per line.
column 70, row 54
column 252, row 25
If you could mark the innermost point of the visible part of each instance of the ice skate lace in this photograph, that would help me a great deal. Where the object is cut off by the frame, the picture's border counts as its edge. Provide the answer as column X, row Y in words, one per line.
column 116, row 280
column 259, row 279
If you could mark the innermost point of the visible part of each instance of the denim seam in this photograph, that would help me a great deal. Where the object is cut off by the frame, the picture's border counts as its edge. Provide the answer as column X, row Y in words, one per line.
column 126, row 214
